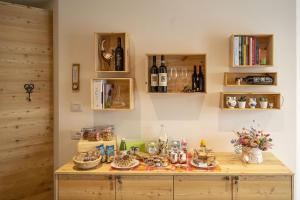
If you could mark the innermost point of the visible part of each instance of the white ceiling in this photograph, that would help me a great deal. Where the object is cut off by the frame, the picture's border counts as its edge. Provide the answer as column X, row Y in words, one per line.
column 34, row 3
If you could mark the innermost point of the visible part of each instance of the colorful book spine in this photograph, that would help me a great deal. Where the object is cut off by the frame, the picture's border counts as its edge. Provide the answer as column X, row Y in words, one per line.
column 236, row 50
column 244, row 50
column 250, row 51
column 253, row 51
column 257, row 52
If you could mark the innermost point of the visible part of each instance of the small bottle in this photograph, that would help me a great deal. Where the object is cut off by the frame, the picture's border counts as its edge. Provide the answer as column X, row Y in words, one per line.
column 162, row 141
column 119, row 57
column 203, row 145
column 123, row 147
column 194, row 80
column 154, row 76
column 162, row 76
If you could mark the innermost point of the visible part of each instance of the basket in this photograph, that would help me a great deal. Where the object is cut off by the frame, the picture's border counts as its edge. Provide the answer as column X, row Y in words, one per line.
column 86, row 164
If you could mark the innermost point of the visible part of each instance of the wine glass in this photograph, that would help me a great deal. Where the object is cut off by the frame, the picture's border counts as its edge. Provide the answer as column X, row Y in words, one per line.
column 184, row 77
column 174, row 77
column 170, row 80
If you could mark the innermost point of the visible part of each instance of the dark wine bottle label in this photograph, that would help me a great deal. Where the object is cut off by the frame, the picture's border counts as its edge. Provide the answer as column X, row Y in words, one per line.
column 154, row 80
column 119, row 59
column 163, row 79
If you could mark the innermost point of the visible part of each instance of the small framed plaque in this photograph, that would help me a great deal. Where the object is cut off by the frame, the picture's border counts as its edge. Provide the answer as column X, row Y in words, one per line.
column 75, row 77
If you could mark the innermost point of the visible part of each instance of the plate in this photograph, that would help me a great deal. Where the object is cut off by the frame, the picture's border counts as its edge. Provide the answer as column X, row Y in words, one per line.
column 135, row 163
column 203, row 165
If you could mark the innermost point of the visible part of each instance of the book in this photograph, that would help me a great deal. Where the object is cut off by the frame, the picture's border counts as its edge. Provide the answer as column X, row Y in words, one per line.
column 236, row 50
column 245, row 51
column 240, row 50
column 253, row 51
column 98, row 94
column 257, row 52
column 250, row 51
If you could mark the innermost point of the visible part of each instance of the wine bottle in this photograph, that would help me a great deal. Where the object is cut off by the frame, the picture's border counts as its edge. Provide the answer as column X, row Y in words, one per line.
column 123, row 146
column 200, row 80
column 194, row 80
column 162, row 76
column 154, row 76
column 119, row 57
column 259, row 80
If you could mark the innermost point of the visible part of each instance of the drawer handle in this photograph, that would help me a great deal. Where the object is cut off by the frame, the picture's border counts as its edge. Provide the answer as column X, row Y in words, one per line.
column 119, row 179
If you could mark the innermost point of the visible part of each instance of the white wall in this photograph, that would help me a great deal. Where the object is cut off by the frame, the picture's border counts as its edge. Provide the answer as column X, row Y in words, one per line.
column 176, row 26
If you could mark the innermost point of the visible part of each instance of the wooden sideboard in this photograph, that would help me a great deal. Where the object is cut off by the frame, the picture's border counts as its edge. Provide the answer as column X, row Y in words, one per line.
column 233, row 181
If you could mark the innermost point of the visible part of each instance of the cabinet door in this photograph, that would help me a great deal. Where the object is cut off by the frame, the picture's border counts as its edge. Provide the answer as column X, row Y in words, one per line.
column 144, row 188
column 202, row 187
column 86, row 187
column 262, row 188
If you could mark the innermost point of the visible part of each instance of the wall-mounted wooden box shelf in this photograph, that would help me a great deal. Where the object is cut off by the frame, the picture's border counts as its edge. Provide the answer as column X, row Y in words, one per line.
column 182, row 63
column 110, row 44
column 230, row 78
column 261, row 46
column 274, row 98
column 120, row 97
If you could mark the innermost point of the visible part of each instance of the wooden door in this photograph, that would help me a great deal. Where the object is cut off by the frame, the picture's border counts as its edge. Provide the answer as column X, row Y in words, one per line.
column 202, row 187
column 144, row 188
column 26, row 135
column 86, row 187
column 262, row 188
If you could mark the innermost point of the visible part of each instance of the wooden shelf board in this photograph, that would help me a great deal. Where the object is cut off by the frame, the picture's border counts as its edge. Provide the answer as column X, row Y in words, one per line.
column 112, row 109
column 254, row 93
column 179, row 93
column 112, row 71
column 249, row 66
column 239, row 109
column 244, row 85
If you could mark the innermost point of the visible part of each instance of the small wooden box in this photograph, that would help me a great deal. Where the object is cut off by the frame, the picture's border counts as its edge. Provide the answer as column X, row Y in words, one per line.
column 111, row 41
column 230, row 78
column 275, row 98
column 125, row 91
column 178, row 61
column 265, row 40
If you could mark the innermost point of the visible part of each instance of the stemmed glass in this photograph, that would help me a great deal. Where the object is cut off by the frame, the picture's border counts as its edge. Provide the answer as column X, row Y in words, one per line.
column 174, row 77
column 170, row 81
column 184, row 78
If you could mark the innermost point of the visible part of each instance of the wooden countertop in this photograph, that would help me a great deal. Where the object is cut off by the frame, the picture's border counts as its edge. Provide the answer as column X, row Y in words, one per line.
column 229, row 163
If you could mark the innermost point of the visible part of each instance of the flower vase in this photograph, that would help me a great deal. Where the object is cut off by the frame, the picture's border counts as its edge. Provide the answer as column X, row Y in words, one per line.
column 253, row 156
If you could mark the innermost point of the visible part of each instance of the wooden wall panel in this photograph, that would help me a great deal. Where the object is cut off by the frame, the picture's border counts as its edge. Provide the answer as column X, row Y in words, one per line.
column 26, row 128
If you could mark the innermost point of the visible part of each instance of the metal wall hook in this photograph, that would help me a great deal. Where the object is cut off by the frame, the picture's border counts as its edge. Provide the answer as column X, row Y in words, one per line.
column 29, row 89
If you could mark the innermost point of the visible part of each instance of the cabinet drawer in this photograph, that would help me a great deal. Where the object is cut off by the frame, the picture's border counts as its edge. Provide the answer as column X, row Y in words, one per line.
column 263, row 188
column 202, row 187
column 86, row 187
column 144, row 188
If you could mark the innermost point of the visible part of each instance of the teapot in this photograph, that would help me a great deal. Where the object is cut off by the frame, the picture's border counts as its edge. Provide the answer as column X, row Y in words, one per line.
column 252, row 102
column 231, row 102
